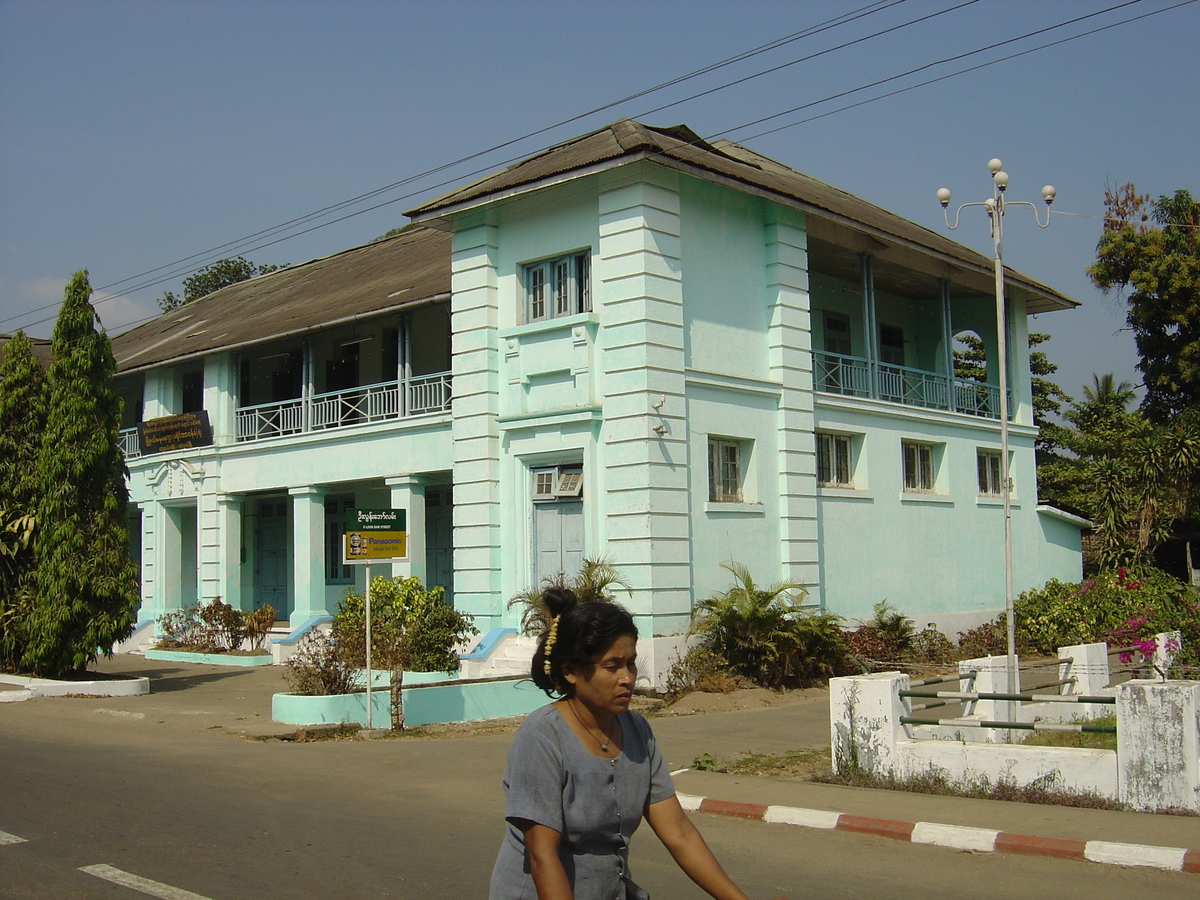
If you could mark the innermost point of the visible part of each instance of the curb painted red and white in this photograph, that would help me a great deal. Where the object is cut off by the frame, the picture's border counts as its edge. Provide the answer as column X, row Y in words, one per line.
column 956, row 837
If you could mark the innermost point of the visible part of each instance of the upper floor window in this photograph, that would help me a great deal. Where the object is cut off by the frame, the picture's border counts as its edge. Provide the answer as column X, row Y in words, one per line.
column 833, row 460
column 891, row 345
column 918, row 467
column 558, row 287
column 837, row 333
column 987, row 463
column 725, row 470
column 191, row 392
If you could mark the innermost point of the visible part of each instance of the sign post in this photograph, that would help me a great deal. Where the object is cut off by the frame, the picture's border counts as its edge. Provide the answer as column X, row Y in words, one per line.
column 373, row 535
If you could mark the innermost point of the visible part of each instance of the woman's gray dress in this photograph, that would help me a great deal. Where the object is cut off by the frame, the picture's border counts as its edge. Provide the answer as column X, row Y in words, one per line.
column 595, row 804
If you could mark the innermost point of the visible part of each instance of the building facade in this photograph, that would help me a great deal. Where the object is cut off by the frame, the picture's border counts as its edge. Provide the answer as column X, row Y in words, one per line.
column 636, row 345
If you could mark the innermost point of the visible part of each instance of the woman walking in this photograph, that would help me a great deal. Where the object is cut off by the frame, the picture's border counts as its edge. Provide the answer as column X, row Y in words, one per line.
column 584, row 771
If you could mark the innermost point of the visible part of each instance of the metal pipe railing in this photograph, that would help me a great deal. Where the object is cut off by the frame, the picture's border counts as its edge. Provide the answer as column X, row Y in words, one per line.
column 1072, row 727
column 962, row 676
column 1027, row 698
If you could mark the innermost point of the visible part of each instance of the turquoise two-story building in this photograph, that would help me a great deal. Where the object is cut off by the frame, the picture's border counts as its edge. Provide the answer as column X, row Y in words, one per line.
column 636, row 344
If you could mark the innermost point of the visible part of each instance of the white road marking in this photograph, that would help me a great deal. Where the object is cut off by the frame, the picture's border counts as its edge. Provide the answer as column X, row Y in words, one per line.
column 145, row 885
column 6, row 838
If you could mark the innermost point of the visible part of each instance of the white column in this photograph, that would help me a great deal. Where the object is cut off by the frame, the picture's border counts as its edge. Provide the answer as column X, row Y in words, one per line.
column 151, row 607
column 156, row 400
column 220, row 396
column 408, row 493
column 229, row 563
column 308, row 561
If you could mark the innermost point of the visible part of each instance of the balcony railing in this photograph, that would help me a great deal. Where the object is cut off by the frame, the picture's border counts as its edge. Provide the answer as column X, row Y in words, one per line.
column 127, row 442
column 338, row 409
column 851, row 376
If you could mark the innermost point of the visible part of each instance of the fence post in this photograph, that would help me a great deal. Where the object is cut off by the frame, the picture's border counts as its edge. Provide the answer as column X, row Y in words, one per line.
column 1167, row 644
column 864, row 721
column 992, row 678
column 1158, row 755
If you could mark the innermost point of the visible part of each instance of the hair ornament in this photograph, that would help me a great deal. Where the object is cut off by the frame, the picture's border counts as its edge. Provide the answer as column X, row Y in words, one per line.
column 551, row 637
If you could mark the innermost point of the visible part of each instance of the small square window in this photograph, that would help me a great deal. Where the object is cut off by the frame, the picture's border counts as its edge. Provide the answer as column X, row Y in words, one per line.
column 833, row 460
column 918, row 468
column 991, row 483
column 558, row 482
column 558, row 287
column 725, row 471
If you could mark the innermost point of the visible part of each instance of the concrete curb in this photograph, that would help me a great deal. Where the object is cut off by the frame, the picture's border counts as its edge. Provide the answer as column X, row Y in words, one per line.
column 956, row 837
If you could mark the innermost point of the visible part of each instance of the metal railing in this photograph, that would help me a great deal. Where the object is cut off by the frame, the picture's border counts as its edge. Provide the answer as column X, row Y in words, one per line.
column 339, row 409
column 836, row 373
column 127, row 443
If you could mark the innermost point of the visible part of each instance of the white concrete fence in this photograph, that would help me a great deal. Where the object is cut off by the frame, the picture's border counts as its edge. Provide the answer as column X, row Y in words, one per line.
column 1156, row 766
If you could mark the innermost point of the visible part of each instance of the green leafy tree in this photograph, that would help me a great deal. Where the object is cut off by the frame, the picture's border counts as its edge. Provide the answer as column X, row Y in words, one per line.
column 1159, row 266
column 411, row 628
column 22, row 423
column 85, row 583
column 222, row 273
column 17, row 530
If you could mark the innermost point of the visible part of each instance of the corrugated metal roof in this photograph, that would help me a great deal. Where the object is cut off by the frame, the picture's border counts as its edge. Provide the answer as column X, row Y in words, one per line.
column 39, row 347
column 363, row 281
column 680, row 147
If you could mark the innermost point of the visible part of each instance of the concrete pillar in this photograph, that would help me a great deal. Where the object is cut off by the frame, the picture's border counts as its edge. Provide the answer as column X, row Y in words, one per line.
column 992, row 678
column 1167, row 644
column 638, row 295
column 220, row 396
column 308, row 560
column 789, row 354
column 475, row 365
column 1089, row 668
column 1158, row 757
column 229, row 562
column 156, row 394
column 864, row 722
column 151, row 607
column 408, row 493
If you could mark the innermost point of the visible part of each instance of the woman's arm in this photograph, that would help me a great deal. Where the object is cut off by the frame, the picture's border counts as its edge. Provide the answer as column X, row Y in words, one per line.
column 685, row 844
column 541, row 849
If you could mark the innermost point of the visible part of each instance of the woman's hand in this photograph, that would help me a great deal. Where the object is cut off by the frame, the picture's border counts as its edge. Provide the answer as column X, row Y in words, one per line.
column 541, row 849
column 685, row 844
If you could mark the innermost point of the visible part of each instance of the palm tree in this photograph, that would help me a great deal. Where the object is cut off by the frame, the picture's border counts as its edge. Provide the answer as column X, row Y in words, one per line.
column 593, row 583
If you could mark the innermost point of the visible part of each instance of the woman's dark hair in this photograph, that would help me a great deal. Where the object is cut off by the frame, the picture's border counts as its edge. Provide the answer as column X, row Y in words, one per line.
column 581, row 632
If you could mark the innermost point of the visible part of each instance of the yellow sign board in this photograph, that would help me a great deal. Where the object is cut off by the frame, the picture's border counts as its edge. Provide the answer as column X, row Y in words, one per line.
column 368, row 546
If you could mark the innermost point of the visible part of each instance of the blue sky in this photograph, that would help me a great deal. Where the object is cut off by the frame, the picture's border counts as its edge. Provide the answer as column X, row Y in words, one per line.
column 136, row 133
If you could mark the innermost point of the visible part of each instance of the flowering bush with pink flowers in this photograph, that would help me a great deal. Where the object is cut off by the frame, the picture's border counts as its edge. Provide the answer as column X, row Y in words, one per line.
column 1122, row 606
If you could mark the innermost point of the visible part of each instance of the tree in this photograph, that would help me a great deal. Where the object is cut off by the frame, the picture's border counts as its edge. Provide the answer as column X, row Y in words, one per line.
column 22, row 422
column 85, row 583
column 1160, row 268
column 970, row 364
column 222, row 273
column 411, row 628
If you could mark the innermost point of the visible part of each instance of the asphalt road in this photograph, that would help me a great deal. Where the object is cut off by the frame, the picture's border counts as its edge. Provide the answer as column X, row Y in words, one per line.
column 89, row 782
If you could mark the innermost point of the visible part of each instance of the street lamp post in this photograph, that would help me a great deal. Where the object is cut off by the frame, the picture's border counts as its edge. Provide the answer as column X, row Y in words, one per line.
column 995, row 206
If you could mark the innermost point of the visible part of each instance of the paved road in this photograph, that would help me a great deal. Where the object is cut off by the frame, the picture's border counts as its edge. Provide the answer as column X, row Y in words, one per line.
column 155, row 787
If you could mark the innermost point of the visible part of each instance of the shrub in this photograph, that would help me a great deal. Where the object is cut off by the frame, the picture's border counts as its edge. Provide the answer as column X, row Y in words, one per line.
column 214, row 627
column 765, row 635
column 318, row 668
column 258, row 623
column 699, row 669
column 1061, row 613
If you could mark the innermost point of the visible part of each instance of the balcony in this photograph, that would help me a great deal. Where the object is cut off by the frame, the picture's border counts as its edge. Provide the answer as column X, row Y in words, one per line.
column 340, row 409
column 851, row 376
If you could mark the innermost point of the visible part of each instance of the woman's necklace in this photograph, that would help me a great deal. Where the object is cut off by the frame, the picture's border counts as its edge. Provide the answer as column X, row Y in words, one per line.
column 602, row 744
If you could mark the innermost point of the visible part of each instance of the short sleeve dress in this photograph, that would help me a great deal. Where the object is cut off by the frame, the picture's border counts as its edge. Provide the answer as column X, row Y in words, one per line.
column 595, row 804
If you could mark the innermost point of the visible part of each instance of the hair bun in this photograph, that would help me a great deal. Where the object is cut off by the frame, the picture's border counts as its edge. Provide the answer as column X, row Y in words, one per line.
column 558, row 600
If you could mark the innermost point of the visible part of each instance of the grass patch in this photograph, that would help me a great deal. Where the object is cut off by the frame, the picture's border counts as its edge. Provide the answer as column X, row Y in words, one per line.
column 1085, row 740
column 806, row 763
